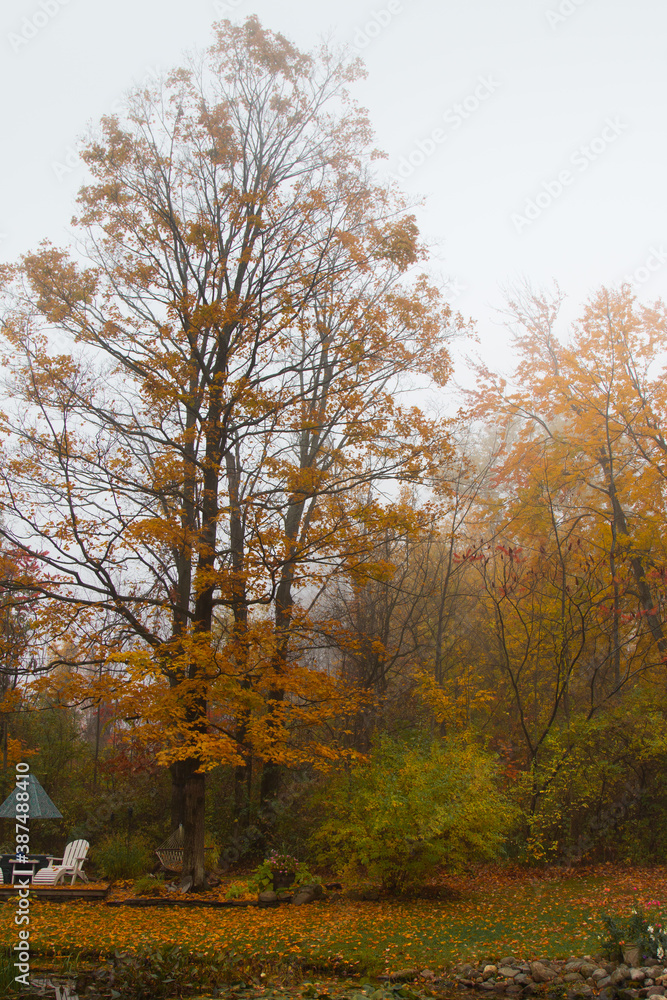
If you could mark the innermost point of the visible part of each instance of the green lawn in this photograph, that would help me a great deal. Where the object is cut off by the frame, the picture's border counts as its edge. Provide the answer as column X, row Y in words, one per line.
column 493, row 915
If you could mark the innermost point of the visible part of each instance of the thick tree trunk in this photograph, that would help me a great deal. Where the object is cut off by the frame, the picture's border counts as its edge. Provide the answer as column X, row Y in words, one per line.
column 272, row 772
column 193, row 827
column 271, row 780
column 242, row 796
column 178, row 778
column 243, row 772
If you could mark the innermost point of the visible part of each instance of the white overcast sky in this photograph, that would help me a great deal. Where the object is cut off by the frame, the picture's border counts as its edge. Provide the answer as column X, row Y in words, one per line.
column 561, row 103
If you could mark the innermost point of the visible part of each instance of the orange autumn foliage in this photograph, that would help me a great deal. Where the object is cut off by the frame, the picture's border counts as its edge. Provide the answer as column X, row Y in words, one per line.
column 196, row 452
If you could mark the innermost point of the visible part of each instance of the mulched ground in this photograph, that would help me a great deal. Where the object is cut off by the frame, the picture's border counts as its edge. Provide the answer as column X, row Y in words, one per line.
column 444, row 885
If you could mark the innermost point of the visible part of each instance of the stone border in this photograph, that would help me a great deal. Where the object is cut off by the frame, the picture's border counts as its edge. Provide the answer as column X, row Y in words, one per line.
column 571, row 978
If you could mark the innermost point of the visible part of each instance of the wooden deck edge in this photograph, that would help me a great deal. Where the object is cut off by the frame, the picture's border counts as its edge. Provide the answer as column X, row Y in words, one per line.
column 53, row 893
column 185, row 903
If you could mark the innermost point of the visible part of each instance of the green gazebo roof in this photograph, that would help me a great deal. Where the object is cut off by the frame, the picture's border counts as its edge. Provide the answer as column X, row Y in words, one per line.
column 41, row 806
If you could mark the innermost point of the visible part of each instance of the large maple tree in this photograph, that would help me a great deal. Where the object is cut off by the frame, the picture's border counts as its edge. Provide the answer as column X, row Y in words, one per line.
column 204, row 403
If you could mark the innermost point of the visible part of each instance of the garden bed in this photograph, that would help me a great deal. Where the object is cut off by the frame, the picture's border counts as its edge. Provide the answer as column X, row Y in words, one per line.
column 58, row 893
column 174, row 900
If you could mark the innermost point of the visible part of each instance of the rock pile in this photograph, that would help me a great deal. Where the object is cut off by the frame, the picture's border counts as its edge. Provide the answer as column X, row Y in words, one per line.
column 303, row 894
column 574, row 978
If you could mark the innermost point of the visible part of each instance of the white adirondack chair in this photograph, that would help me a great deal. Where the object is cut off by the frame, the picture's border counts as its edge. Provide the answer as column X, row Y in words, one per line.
column 70, row 864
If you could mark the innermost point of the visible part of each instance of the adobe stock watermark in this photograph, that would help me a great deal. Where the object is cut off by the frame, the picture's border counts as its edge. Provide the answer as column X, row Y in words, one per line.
column 581, row 159
column 598, row 827
column 70, row 160
column 243, row 841
column 562, row 11
column 454, row 289
column 35, row 22
column 111, row 804
column 224, row 8
column 375, row 25
column 22, row 872
column 656, row 259
column 453, row 117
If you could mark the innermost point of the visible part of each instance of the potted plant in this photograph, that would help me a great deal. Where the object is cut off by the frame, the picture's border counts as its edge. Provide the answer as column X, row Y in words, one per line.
column 277, row 871
column 636, row 939
column 280, row 871
column 283, row 869
column 631, row 955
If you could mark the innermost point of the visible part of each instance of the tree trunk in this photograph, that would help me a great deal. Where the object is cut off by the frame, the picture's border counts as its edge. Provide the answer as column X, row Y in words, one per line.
column 272, row 772
column 242, row 794
column 271, row 779
column 193, row 826
column 178, row 777
column 646, row 599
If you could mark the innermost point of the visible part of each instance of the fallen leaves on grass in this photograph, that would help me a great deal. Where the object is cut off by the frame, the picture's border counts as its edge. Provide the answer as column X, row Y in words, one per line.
column 495, row 914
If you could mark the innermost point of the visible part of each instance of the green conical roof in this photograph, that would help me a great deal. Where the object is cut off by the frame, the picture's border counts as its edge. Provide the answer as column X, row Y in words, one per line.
column 41, row 806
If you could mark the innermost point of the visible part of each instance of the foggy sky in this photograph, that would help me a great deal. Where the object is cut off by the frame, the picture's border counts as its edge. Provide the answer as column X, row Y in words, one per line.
column 533, row 130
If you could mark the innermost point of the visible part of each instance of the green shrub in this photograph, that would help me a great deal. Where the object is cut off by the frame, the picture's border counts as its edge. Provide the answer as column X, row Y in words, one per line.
column 414, row 805
column 235, row 891
column 591, row 804
column 149, row 885
column 116, row 857
column 641, row 836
